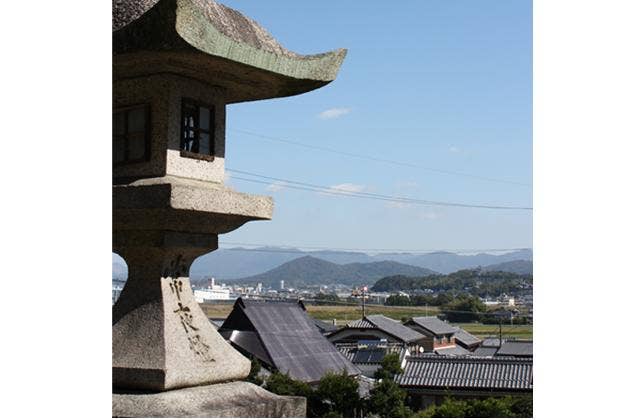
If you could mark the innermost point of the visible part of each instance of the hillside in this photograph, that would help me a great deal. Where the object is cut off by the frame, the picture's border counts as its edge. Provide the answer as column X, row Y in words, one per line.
column 517, row 266
column 478, row 282
column 309, row 271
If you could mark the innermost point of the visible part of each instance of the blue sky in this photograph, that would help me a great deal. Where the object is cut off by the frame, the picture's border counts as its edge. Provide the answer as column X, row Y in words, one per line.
column 440, row 84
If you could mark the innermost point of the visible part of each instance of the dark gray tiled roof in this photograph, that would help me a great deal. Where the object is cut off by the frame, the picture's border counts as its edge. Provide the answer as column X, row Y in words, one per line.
column 467, row 373
column 394, row 328
column 290, row 337
column 323, row 326
column 361, row 323
column 485, row 351
column 457, row 350
column 465, row 338
column 522, row 348
column 434, row 325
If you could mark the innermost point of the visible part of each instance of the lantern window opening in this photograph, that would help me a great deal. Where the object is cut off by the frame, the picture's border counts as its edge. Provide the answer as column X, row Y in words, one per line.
column 197, row 128
column 130, row 131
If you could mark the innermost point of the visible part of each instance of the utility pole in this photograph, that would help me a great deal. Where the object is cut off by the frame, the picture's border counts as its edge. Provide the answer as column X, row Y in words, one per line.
column 363, row 290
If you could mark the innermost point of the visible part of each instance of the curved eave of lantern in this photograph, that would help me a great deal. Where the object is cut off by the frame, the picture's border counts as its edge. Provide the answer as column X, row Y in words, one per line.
column 177, row 36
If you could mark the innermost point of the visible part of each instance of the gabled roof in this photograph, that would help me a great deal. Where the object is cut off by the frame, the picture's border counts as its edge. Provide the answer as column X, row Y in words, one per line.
column 467, row 373
column 289, row 337
column 433, row 325
column 465, row 338
column 520, row 348
column 394, row 328
column 456, row 350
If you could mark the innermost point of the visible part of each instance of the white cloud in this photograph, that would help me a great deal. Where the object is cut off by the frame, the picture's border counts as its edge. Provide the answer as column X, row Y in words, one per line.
column 276, row 186
column 346, row 188
column 333, row 113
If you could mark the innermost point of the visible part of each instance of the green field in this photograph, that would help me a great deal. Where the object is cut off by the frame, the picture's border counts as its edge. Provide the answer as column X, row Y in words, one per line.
column 343, row 314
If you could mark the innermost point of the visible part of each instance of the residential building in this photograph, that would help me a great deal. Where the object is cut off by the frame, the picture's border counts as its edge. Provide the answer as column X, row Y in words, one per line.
column 439, row 334
column 429, row 378
column 284, row 338
column 380, row 327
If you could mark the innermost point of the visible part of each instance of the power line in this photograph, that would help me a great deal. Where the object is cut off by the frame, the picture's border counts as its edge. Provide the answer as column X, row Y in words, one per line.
column 375, row 159
column 298, row 249
column 341, row 192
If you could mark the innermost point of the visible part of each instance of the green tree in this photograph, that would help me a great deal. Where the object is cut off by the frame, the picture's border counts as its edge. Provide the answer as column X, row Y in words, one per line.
column 389, row 367
column 448, row 408
column 398, row 300
column 522, row 406
column 283, row 384
column 336, row 393
column 387, row 399
column 465, row 309
column 254, row 377
column 490, row 407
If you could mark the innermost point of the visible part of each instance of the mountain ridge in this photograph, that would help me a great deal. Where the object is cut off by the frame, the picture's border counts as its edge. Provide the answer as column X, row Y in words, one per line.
column 308, row 270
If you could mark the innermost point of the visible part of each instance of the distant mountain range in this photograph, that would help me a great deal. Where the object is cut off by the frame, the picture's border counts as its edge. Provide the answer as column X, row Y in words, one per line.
column 305, row 271
column 236, row 263
column 517, row 266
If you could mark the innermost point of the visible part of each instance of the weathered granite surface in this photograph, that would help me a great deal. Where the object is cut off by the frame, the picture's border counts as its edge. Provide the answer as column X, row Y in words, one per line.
column 214, row 44
column 162, row 340
column 234, row 399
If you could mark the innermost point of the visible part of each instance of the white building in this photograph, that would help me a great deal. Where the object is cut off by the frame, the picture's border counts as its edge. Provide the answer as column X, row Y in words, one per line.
column 213, row 292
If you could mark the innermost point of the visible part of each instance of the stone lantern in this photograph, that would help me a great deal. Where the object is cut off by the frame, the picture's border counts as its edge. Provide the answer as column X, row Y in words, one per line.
column 176, row 65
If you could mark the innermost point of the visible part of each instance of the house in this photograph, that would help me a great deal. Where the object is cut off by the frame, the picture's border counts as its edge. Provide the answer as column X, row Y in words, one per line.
column 466, row 340
column 324, row 327
column 505, row 347
column 441, row 336
column 367, row 355
column 429, row 378
column 515, row 348
column 379, row 327
column 283, row 337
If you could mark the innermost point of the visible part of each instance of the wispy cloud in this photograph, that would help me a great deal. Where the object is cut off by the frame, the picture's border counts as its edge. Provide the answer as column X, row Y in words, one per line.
column 454, row 149
column 332, row 113
column 276, row 186
column 346, row 188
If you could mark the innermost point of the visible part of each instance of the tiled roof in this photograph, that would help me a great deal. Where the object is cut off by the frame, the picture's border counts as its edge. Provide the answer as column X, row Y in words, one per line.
column 522, row 348
column 361, row 323
column 456, row 350
column 394, row 328
column 485, row 351
column 434, row 325
column 467, row 373
column 465, row 338
column 289, row 336
column 323, row 326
